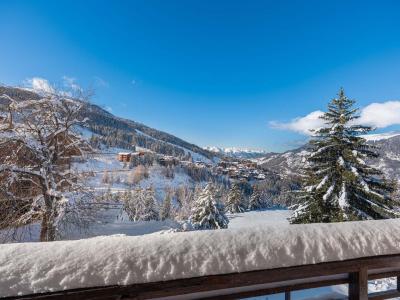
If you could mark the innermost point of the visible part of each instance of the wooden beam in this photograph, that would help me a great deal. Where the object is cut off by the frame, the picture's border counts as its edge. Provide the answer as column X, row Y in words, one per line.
column 384, row 295
column 280, row 289
column 380, row 275
column 358, row 287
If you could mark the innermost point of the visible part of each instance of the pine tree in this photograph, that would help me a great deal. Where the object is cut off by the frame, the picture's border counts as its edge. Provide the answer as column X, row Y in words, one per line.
column 149, row 210
column 106, row 177
column 235, row 202
column 256, row 201
column 208, row 212
column 165, row 212
column 141, row 205
column 338, row 184
column 133, row 204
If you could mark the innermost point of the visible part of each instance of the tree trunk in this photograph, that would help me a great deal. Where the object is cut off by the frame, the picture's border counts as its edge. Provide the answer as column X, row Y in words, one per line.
column 47, row 229
column 43, row 229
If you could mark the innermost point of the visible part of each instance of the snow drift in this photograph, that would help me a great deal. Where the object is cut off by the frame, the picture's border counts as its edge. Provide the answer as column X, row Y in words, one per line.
column 40, row 267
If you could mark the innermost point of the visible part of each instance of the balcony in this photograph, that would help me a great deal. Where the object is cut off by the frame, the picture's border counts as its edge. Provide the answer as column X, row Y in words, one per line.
column 220, row 264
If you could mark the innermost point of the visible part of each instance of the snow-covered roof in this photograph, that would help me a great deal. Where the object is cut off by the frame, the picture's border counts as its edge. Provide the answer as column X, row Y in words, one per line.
column 124, row 153
column 121, row 260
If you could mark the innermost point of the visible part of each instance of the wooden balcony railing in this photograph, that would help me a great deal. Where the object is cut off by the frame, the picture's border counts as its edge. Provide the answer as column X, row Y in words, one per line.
column 354, row 272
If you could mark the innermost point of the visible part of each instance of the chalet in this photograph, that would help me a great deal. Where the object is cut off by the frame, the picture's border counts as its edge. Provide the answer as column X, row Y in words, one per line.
column 261, row 176
column 124, row 156
column 251, row 165
column 168, row 161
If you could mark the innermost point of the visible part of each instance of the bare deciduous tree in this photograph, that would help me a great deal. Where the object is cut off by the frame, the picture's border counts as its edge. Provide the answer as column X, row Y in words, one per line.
column 38, row 143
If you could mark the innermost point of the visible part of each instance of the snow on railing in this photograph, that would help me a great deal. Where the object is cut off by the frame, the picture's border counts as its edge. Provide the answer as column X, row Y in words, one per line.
column 118, row 260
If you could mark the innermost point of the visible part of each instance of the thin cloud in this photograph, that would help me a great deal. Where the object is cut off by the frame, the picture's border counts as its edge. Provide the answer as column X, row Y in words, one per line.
column 101, row 82
column 39, row 84
column 379, row 115
column 70, row 83
column 301, row 125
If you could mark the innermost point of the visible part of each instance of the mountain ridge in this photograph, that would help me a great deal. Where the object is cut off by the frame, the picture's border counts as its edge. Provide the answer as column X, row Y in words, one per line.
column 238, row 152
column 291, row 162
column 122, row 132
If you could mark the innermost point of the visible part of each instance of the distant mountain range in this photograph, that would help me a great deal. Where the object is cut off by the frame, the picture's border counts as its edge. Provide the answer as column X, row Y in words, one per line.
column 234, row 152
column 289, row 163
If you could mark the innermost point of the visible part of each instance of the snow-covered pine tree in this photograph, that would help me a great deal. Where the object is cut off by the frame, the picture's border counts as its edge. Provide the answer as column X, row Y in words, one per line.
column 150, row 211
column 338, row 184
column 208, row 211
column 256, row 199
column 235, row 202
column 133, row 204
column 130, row 205
column 165, row 211
column 141, row 205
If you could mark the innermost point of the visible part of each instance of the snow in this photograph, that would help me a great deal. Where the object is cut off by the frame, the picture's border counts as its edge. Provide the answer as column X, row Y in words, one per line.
column 322, row 183
column 365, row 185
column 118, row 259
column 380, row 136
column 99, row 163
column 258, row 218
column 196, row 156
column 85, row 132
column 333, row 128
column 112, row 219
column 343, row 197
column 237, row 152
column 328, row 192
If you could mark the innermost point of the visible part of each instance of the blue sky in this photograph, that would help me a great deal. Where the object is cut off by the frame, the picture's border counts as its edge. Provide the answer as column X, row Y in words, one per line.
column 223, row 73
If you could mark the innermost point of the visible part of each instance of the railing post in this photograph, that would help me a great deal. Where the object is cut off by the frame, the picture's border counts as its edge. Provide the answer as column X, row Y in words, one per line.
column 358, row 287
column 398, row 283
column 287, row 295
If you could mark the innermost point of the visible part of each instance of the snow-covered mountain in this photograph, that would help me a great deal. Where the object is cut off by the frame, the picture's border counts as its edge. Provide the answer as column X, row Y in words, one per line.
column 123, row 133
column 289, row 163
column 380, row 136
column 235, row 152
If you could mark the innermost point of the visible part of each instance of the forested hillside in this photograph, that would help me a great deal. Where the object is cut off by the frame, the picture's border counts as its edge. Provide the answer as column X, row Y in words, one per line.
column 118, row 132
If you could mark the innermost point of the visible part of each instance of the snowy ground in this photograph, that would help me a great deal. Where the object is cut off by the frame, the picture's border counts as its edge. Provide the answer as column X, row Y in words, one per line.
column 100, row 163
column 259, row 218
column 113, row 220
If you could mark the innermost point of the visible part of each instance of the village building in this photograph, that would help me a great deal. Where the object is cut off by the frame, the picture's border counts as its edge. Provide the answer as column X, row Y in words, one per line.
column 124, row 156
